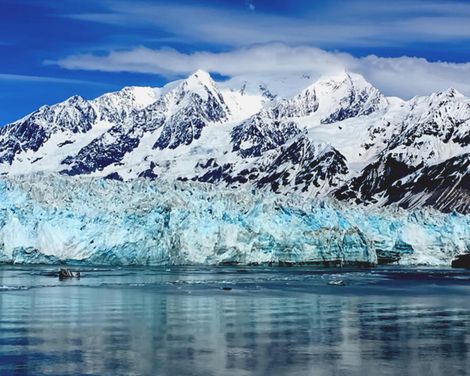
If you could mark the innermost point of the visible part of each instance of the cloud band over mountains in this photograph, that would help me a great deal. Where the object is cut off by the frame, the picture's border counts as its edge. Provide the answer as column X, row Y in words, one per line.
column 402, row 76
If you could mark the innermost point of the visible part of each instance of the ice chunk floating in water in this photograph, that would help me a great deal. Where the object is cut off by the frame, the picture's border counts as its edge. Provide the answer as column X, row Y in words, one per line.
column 47, row 219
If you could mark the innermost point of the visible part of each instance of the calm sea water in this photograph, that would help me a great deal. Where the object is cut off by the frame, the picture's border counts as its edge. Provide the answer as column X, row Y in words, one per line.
column 267, row 321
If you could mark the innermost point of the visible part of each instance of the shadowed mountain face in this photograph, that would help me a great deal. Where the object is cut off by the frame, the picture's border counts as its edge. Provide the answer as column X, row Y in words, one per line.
column 338, row 136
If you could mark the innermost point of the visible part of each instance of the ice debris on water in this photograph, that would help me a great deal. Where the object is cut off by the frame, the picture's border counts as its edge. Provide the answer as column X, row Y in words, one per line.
column 337, row 282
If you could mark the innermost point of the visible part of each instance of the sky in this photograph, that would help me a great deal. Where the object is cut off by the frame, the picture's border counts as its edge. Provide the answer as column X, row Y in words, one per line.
column 51, row 49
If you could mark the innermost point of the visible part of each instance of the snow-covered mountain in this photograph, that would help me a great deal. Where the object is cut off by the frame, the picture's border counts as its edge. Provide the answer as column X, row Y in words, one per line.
column 337, row 136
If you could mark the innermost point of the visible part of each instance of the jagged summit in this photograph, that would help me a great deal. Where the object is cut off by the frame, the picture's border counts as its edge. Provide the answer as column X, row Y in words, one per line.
column 339, row 79
column 201, row 76
column 197, row 80
column 340, row 82
column 338, row 135
column 74, row 99
column 450, row 93
column 137, row 95
column 199, row 84
column 346, row 95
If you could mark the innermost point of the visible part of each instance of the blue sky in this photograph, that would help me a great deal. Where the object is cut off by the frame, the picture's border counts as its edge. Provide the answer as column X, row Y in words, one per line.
column 53, row 49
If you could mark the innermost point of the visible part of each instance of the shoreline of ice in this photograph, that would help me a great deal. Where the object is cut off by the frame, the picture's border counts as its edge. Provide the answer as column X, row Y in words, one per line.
column 52, row 218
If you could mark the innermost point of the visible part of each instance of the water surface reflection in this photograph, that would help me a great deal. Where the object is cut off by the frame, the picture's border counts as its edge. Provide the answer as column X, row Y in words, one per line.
column 262, row 328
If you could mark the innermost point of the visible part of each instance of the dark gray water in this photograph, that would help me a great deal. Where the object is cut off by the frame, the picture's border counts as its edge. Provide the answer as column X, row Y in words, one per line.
column 286, row 321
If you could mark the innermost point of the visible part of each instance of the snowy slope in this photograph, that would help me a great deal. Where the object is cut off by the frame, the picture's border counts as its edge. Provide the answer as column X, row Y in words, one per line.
column 41, row 140
column 424, row 137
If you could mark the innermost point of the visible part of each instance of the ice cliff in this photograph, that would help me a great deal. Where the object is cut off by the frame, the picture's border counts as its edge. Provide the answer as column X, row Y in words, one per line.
column 51, row 218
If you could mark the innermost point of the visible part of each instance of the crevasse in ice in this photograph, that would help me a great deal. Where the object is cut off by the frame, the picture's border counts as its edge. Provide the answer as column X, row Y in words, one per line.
column 50, row 218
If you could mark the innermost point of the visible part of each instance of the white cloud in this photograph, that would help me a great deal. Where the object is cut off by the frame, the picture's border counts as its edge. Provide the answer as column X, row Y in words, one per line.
column 404, row 76
column 258, row 42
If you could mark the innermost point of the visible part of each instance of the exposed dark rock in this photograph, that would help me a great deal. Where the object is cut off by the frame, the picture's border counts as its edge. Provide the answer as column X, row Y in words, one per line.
column 99, row 153
column 262, row 132
column 65, row 273
column 388, row 257
column 113, row 176
column 461, row 261
column 444, row 186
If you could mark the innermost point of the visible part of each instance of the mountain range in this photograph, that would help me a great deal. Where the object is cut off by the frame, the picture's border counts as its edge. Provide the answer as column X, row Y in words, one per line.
column 338, row 136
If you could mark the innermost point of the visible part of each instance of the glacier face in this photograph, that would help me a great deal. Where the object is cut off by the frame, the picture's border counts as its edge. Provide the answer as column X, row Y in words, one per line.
column 51, row 218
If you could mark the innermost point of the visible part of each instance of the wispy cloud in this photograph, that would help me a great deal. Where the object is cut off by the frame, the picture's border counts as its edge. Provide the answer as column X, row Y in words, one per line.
column 56, row 80
column 359, row 23
column 269, row 58
column 404, row 76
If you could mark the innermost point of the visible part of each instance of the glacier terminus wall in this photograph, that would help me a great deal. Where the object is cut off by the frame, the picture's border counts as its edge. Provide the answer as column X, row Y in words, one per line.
column 51, row 218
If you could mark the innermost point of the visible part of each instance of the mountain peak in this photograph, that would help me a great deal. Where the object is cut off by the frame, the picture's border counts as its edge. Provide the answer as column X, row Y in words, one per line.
column 342, row 79
column 344, row 95
column 74, row 100
column 450, row 93
column 200, row 83
column 135, row 96
column 200, row 77
column 341, row 84
column 202, row 74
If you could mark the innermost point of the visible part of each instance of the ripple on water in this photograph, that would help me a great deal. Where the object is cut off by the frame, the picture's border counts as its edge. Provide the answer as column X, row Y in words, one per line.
column 273, row 321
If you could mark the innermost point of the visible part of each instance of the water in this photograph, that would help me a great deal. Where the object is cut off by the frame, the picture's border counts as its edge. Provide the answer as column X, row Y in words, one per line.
column 267, row 321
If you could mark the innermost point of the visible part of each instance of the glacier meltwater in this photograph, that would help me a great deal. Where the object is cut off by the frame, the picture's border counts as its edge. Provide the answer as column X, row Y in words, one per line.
column 51, row 219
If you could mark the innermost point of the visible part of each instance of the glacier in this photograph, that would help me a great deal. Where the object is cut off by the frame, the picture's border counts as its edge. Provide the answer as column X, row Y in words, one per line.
column 49, row 218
